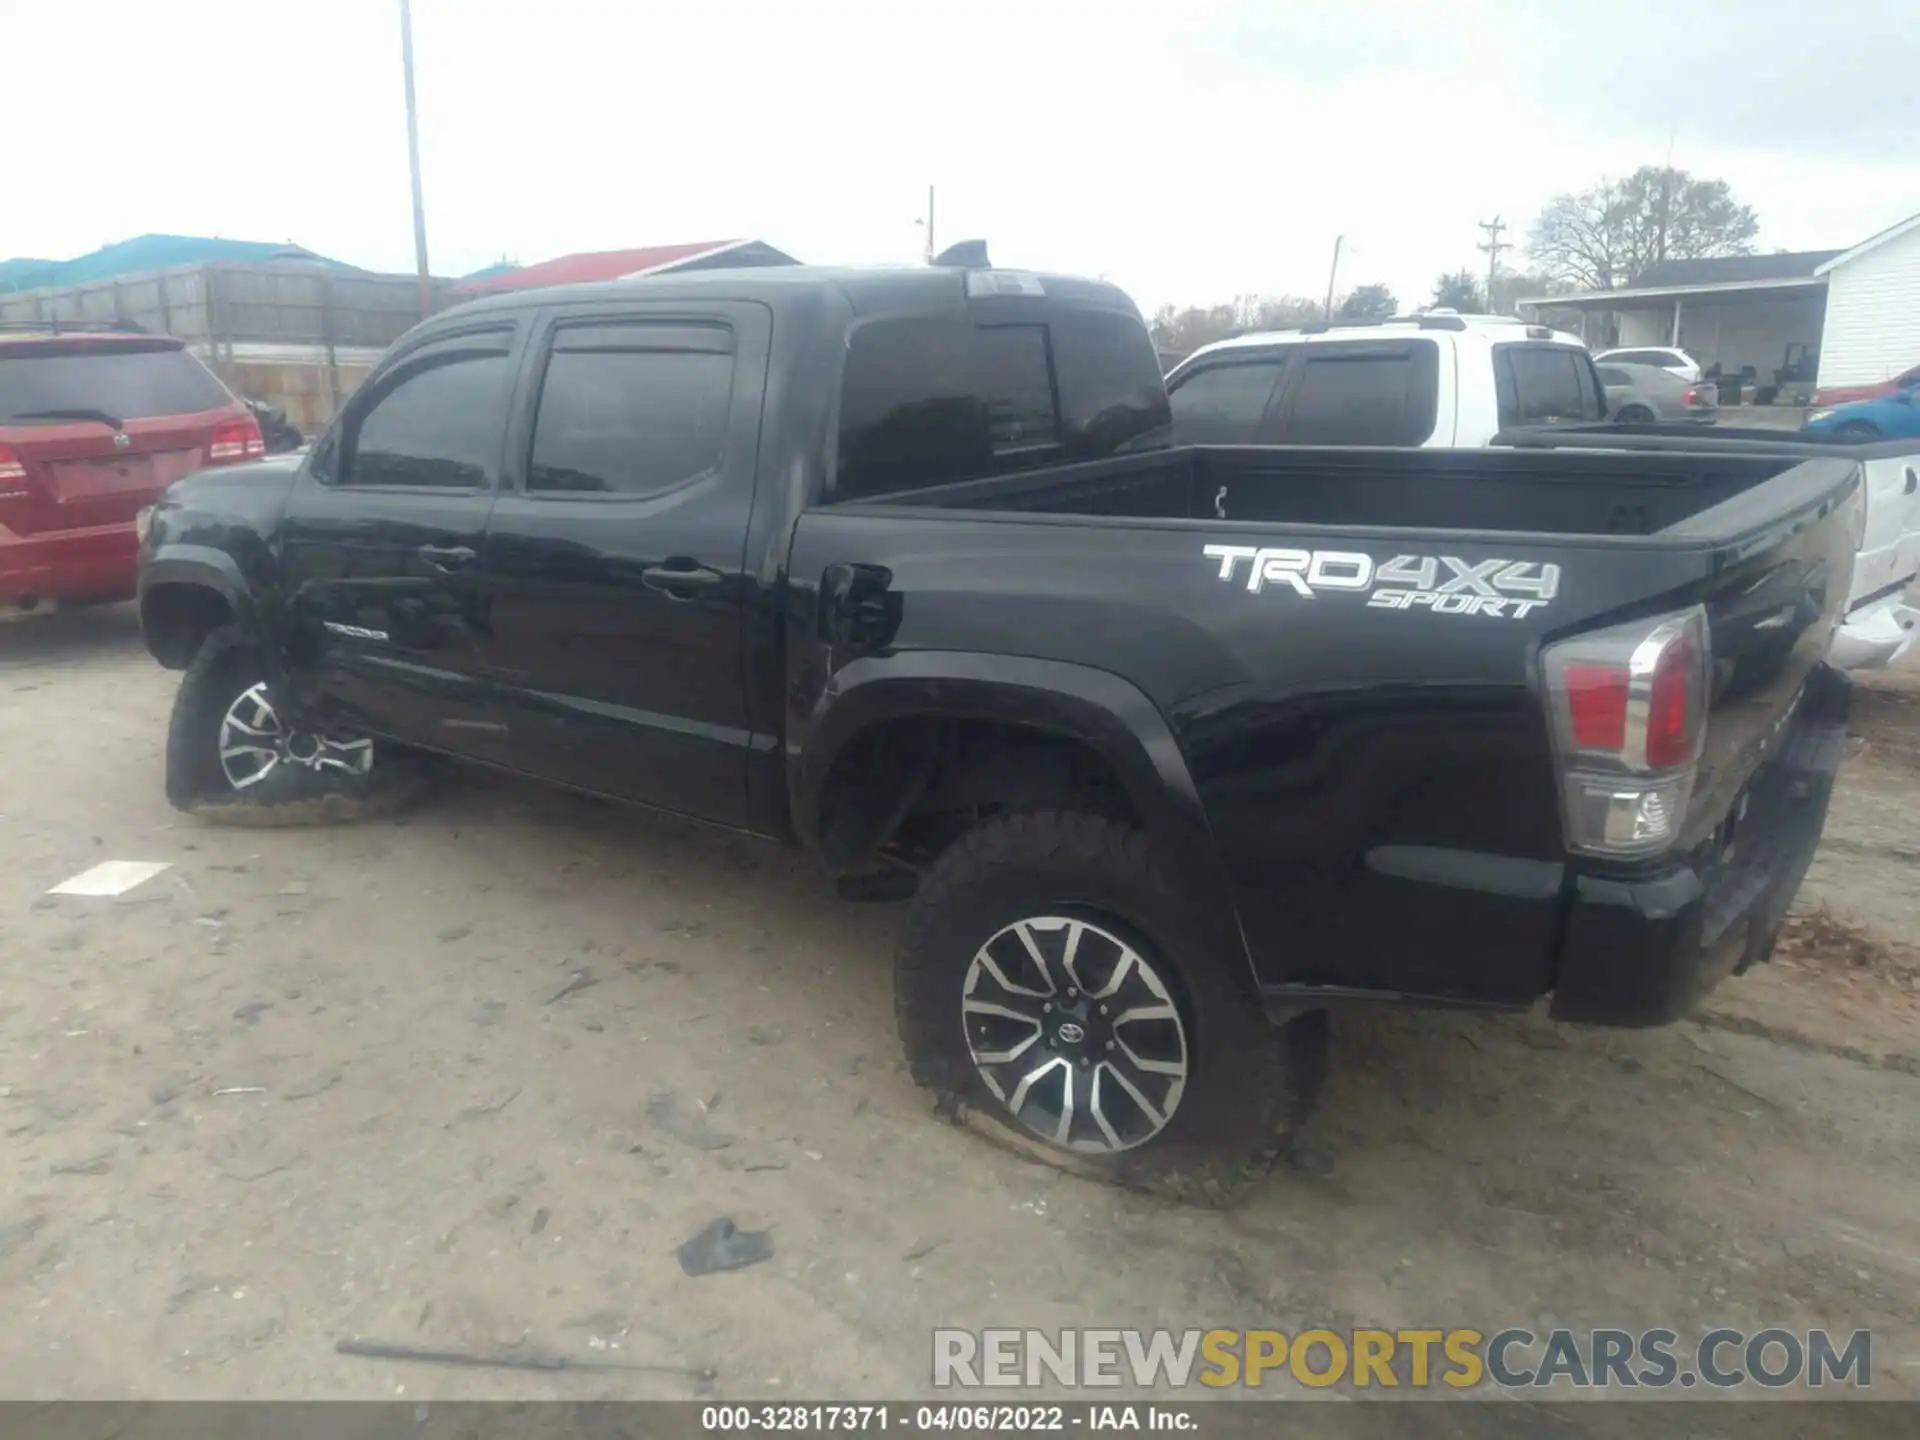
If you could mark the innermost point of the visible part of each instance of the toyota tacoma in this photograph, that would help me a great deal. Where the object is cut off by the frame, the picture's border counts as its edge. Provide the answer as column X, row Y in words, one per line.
column 1175, row 748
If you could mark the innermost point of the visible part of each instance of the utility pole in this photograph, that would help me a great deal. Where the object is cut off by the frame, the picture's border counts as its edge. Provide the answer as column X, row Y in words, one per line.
column 1333, row 274
column 1493, row 245
column 1666, row 202
column 413, row 162
column 931, row 252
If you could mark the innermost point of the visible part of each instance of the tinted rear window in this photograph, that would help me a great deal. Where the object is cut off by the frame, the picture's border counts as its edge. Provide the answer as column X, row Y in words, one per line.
column 1112, row 396
column 127, row 384
column 930, row 400
column 632, row 409
column 1362, row 395
column 1545, row 384
column 1223, row 404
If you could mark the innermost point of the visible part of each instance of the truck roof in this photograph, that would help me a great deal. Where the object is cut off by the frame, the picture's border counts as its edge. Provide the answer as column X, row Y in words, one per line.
column 867, row 290
column 1469, row 329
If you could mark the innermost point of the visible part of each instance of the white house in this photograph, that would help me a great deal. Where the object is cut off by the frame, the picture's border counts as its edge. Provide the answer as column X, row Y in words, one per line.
column 1872, row 328
column 1853, row 314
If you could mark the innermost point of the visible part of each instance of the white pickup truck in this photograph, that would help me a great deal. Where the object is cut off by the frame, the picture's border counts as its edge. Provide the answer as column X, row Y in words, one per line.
column 1437, row 381
column 1446, row 381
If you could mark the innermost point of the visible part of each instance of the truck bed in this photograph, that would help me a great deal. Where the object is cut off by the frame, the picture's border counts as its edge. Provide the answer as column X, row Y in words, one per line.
column 1344, row 646
column 1555, row 493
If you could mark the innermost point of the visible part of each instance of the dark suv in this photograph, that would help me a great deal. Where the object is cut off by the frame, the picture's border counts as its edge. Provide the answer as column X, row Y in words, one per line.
column 94, row 424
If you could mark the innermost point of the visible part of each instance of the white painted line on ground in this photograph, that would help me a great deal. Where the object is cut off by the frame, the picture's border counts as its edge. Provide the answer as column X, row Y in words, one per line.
column 111, row 877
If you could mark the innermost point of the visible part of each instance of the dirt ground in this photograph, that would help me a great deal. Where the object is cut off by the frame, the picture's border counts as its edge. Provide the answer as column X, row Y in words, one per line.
column 468, row 1078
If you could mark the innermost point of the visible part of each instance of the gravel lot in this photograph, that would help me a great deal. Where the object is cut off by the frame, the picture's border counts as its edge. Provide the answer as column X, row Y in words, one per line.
column 468, row 1078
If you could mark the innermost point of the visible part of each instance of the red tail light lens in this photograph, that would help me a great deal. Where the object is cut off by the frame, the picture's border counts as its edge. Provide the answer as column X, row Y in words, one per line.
column 1692, row 397
column 1597, row 705
column 13, row 472
column 1629, row 712
column 1670, row 705
column 235, row 440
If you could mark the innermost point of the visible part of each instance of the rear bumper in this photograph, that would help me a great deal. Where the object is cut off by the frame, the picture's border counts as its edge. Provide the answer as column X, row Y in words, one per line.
column 95, row 564
column 1875, row 635
column 1643, row 951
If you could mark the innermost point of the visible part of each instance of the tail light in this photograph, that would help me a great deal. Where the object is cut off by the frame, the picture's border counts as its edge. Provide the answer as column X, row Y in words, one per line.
column 1629, row 716
column 235, row 440
column 13, row 472
column 1692, row 397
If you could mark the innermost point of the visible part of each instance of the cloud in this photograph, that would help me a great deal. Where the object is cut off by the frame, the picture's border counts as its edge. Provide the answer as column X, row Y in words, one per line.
column 1189, row 152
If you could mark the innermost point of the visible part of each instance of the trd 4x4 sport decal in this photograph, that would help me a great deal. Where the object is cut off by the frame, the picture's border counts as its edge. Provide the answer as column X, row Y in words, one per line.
column 1445, row 584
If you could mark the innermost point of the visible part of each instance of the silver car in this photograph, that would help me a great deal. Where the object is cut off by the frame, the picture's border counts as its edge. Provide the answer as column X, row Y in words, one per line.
column 1646, row 394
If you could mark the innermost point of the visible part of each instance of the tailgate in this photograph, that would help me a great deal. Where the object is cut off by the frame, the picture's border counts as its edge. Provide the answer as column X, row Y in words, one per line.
column 83, row 474
column 1781, row 571
column 78, row 482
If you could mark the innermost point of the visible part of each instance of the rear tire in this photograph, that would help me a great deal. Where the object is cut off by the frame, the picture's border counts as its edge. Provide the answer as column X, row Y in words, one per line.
column 231, row 760
column 1187, row 1090
column 1635, row 415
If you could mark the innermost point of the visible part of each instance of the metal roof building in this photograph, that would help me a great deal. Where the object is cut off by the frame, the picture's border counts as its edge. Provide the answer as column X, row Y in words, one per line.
column 596, row 265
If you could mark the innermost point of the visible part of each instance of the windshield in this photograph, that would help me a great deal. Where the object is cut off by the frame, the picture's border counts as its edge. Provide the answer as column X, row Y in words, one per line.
column 57, row 387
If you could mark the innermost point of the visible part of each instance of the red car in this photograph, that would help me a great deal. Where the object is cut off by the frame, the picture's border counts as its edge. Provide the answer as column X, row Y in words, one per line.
column 94, row 424
column 1885, row 389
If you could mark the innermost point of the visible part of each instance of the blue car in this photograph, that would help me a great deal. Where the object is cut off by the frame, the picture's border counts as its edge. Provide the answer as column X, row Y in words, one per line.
column 1891, row 417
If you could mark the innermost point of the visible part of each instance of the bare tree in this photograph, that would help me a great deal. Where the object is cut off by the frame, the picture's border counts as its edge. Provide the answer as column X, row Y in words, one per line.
column 1605, row 237
column 1182, row 331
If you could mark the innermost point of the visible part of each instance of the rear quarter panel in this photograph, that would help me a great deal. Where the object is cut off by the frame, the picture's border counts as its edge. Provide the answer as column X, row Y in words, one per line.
column 1377, row 782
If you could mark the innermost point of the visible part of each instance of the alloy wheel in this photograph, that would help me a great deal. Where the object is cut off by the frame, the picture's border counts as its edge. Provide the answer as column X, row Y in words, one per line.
column 254, row 742
column 1076, row 1032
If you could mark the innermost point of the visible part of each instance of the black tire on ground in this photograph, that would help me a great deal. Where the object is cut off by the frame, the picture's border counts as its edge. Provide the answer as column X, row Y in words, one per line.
column 1859, row 432
column 226, row 667
column 1635, row 415
column 1249, row 1084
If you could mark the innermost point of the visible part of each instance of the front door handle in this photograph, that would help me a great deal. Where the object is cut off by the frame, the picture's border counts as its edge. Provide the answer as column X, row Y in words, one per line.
column 446, row 558
column 680, row 580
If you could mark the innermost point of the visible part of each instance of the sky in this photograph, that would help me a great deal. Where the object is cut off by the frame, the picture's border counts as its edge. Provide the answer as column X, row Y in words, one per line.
column 1189, row 152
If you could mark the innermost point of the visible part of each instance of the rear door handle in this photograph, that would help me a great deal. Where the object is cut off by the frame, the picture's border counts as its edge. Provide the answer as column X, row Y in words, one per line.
column 446, row 557
column 679, row 583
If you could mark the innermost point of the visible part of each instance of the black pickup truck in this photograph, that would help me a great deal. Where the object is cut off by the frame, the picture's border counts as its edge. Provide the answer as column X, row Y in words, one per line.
column 1174, row 748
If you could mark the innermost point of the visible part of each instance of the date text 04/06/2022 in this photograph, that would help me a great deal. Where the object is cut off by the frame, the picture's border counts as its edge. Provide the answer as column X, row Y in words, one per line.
column 962, row 1418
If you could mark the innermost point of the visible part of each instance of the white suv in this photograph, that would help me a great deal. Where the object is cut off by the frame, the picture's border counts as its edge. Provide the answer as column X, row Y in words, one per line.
column 1436, row 380
column 1661, row 357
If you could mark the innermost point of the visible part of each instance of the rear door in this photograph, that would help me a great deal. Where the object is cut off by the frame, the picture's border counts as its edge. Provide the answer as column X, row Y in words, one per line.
column 97, row 427
column 615, row 560
column 1357, row 392
column 381, row 542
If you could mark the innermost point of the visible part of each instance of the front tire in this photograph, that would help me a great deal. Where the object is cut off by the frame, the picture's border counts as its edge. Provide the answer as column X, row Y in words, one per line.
column 1857, row 432
column 232, row 758
column 1055, row 977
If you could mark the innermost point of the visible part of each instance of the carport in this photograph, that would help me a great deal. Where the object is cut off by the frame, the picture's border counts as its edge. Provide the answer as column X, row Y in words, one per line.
column 1736, row 311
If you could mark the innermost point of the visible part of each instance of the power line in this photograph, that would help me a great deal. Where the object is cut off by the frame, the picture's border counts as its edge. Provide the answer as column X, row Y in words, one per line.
column 1492, row 246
